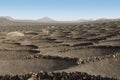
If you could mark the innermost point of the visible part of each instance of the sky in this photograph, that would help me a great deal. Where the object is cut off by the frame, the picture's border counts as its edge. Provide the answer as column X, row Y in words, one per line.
column 60, row 9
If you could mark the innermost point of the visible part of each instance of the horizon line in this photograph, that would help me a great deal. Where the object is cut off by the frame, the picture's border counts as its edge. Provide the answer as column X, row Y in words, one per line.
column 10, row 18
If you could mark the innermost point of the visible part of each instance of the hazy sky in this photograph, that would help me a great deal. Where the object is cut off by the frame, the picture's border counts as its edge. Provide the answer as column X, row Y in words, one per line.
column 60, row 9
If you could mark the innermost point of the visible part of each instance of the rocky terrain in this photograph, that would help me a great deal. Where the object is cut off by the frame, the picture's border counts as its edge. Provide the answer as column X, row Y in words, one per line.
column 60, row 51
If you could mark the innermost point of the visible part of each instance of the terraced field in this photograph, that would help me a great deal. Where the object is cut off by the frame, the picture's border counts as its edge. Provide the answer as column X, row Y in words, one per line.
column 91, row 48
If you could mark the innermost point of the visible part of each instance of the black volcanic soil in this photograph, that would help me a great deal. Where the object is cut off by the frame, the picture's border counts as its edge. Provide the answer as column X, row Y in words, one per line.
column 106, row 67
column 91, row 48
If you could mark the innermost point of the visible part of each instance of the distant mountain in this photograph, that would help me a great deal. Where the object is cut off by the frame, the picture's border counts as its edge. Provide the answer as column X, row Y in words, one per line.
column 6, row 20
column 42, row 20
column 46, row 19
column 6, row 17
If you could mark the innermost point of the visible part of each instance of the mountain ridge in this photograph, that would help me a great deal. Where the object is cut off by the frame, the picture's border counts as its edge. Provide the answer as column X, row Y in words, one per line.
column 49, row 20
